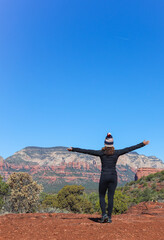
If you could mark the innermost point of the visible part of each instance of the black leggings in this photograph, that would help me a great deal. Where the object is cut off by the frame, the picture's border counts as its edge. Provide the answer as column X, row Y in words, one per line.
column 107, row 181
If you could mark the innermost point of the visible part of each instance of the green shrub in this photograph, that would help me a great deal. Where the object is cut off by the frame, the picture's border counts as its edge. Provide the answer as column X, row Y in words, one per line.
column 148, row 195
column 120, row 204
column 134, row 194
column 145, row 184
column 150, row 177
column 141, row 181
column 161, row 178
column 86, row 206
column 153, row 186
column 4, row 189
column 159, row 174
column 132, row 183
column 162, row 190
column 71, row 198
column 125, row 188
column 161, row 195
column 93, row 198
column 50, row 200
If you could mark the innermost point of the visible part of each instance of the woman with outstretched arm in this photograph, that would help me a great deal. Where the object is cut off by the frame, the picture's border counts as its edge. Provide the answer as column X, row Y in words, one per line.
column 108, row 178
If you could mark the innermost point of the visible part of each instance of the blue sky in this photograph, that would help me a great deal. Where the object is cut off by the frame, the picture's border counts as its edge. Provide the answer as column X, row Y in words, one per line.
column 71, row 71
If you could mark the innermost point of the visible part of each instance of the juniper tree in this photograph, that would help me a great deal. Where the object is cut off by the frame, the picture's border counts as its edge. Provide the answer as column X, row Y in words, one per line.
column 24, row 192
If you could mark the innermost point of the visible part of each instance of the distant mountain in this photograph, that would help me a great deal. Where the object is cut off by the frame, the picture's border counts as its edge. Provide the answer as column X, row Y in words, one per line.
column 136, row 160
column 55, row 167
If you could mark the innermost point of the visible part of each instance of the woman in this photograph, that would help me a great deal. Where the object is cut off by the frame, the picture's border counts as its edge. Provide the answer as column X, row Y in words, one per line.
column 108, row 178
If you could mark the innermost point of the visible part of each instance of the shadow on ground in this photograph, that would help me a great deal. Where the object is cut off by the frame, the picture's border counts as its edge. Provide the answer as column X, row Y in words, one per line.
column 95, row 219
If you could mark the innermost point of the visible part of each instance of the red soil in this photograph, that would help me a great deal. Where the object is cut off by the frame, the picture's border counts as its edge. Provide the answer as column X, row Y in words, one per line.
column 144, row 221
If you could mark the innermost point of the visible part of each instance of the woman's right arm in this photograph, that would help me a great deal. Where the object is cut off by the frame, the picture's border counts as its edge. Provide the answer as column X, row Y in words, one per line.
column 85, row 151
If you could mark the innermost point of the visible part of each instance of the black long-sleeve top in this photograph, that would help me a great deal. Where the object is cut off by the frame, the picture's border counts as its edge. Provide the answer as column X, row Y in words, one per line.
column 108, row 162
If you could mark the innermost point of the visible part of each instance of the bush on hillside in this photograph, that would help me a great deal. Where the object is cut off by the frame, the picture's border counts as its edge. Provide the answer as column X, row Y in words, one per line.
column 145, row 184
column 145, row 188
column 153, row 186
column 161, row 178
column 161, row 195
column 71, row 198
column 24, row 193
column 150, row 177
column 132, row 183
column 4, row 189
column 148, row 194
column 93, row 198
column 50, row 200
column 141, row 181
column 120, row 204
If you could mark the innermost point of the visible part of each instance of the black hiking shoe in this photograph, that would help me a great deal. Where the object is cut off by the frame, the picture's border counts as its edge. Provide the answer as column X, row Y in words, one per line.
column 109, row 220
column 104, row 219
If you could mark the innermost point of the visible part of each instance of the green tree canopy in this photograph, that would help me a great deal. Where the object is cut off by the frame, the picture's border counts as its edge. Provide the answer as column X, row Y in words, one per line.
column 71, row 197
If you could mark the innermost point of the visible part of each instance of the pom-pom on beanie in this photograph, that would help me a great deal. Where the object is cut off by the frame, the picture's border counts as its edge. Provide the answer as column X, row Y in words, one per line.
column 108, row 140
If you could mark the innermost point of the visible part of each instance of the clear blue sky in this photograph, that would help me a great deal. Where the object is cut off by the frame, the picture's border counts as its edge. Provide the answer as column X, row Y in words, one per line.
column 71, row 71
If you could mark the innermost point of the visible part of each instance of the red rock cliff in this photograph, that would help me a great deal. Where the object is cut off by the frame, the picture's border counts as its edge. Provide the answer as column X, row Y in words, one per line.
column 146, row 171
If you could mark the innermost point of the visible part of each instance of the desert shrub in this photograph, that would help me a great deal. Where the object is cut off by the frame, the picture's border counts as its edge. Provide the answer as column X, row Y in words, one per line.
column 161, row 195
column 153, row 186
column 137, row 181
column 124, row 189
column 141, row 181
column 24, row 193
column 145, row 184
column 150, row 177
column 86, row 206
column 4, row 189
column 132, row 183
column 145, row 193
column 161, row 178
column 148, row 195
column 42, row 196
column 71, row 198
column 162, row 190
column 135, row 193
column 120, row 204
column 159, row 174
column 93, row 198
column 50, row 200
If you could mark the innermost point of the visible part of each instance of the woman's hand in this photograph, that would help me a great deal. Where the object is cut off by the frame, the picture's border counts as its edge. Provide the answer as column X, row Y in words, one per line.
column 146, row 142
column 69, row 149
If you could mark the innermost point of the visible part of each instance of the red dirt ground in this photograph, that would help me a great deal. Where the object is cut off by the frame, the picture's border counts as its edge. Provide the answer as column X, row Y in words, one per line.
column 142, row 222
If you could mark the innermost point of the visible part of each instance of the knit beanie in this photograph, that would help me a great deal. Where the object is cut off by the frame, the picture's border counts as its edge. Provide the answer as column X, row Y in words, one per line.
column 108, row 140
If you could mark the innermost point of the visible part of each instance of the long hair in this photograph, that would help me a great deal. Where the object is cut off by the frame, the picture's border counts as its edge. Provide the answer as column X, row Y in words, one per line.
column 108, row 150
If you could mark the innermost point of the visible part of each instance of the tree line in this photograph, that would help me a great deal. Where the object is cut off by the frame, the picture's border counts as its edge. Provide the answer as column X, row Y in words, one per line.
column 21, row 194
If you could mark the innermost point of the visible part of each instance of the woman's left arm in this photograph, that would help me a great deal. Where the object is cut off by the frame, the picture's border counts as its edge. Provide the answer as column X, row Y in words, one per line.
column 129, row 149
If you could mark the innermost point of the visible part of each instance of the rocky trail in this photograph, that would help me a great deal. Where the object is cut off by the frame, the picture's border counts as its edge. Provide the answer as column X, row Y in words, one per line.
column 144, row 221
